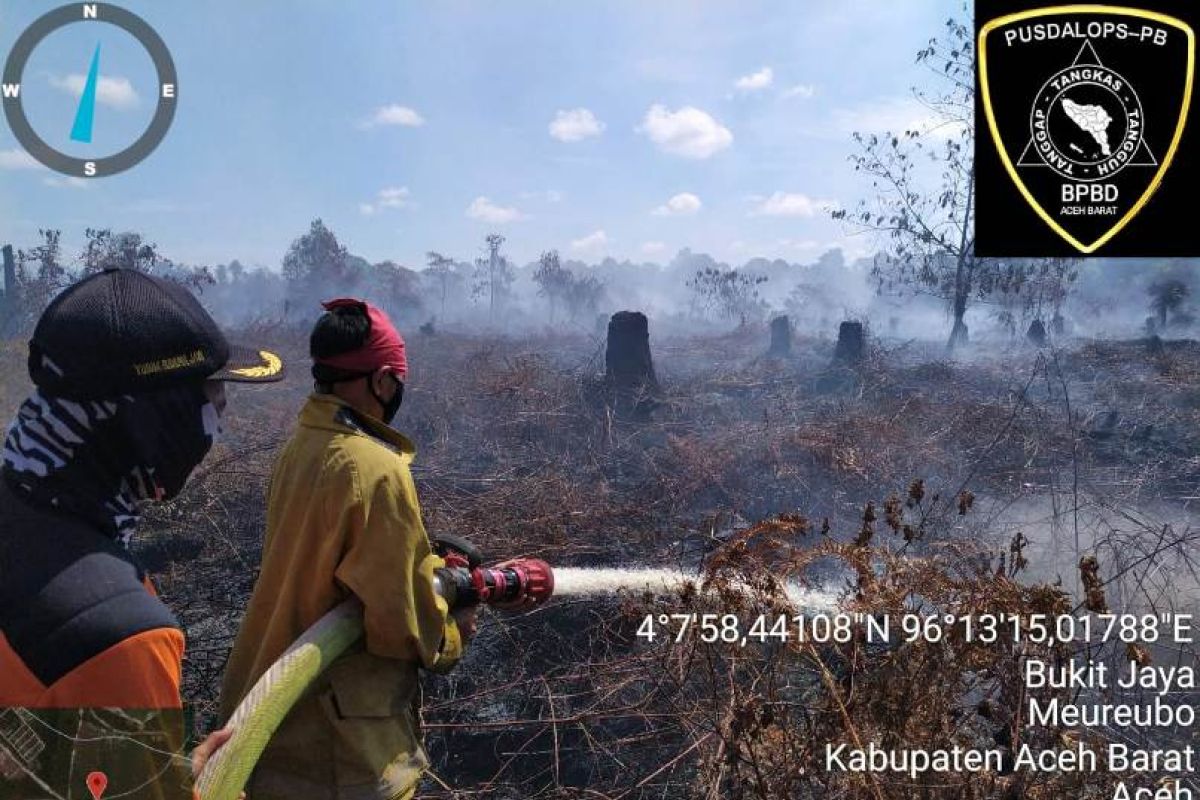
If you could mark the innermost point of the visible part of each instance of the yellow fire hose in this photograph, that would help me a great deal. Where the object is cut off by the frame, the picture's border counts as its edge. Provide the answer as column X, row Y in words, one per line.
column 263, row 709
column 462, row 582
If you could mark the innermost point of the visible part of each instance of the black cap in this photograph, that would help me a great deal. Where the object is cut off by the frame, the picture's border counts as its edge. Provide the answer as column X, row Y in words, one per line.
column 121, row 331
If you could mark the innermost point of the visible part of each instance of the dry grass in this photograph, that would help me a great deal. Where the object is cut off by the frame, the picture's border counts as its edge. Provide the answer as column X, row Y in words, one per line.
column 516, row 453
column 14, row 385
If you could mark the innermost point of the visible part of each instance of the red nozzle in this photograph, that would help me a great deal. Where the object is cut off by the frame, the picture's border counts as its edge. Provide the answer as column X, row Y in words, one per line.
column 537, row 578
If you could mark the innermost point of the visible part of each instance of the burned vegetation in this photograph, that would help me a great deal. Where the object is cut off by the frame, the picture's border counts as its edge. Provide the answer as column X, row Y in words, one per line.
column 872, row 474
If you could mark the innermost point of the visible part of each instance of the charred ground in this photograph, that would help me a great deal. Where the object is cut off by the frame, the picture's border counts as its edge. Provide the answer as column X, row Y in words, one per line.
column 904, row 480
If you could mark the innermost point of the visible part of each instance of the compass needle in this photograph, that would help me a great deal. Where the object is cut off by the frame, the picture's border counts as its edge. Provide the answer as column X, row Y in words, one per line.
column 115, row 91
column 81, row 131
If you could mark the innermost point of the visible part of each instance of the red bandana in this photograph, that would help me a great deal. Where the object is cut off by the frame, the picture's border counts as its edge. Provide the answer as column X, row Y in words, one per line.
column 384, row 346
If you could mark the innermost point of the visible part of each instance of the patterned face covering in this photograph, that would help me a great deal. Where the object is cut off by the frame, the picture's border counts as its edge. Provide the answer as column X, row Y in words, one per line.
column 101, row 459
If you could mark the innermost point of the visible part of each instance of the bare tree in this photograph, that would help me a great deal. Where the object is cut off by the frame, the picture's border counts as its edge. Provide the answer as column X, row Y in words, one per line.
column 441, row 271
column 130, row 250
column 1038, row 291
column 40, row 275
column 493, row 275
column 733, row 293
column 1167, row 297
column 925, row 222
column 106, row 250
column 554, row 282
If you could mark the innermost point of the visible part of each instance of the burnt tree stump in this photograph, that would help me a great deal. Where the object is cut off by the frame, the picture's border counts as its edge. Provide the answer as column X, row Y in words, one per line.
column 1036, row 335
column 627, row 361
column 851, row 344
column 781, row 337
column 629, row 368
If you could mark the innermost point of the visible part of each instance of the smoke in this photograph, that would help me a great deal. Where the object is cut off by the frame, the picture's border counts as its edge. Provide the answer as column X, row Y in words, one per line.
column 1106, row 298
column 1060, row 529
column 817, row 294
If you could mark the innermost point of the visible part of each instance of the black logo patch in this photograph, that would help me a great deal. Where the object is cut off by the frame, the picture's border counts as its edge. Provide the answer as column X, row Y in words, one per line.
column 1082, row 124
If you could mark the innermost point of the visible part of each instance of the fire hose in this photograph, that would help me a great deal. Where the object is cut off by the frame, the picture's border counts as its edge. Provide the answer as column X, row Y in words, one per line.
column 463, row 582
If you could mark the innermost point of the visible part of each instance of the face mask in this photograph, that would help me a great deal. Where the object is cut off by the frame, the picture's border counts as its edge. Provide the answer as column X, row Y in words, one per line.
column 101, row 459
column 175, row 430
column 211, row 419
column 390, row 407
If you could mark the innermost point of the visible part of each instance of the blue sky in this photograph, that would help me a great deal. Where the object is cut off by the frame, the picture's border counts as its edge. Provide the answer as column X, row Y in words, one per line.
column 628, row 129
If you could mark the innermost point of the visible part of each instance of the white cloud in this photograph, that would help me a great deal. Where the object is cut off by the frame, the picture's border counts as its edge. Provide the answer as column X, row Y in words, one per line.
column 653, row 248
column 791, row 204
column 483, row 209
column 688, row 132
column 593, row 244
column 115, row 92
column 575, row 125
column 802, row 90
column 682, row 204
column 394, row 115
column 391, row 197
column 18, row 159
column 893, row 115
column 756, row 81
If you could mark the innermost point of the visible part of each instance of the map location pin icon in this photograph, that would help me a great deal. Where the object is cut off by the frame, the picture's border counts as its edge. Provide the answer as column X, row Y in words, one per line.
column 97, row 782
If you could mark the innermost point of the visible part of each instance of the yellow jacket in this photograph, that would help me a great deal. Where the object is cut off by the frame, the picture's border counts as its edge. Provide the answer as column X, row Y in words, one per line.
column 342, row 518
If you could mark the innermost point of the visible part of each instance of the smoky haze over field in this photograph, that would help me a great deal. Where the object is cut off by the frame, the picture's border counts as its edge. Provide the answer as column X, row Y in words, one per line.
column 1108, row 298
column 476, row 287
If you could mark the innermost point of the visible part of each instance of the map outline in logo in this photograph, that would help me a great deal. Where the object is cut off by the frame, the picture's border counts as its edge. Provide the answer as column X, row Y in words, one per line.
column 1130, row 103
column 1011, row 166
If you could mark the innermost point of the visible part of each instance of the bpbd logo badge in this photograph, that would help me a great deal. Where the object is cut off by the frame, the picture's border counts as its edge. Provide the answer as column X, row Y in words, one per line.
column 1083, row 144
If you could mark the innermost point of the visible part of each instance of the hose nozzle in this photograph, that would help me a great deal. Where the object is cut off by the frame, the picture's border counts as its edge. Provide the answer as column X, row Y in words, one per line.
column 465, row 582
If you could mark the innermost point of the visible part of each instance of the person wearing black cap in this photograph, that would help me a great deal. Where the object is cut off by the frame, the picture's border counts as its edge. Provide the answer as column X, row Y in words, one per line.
column 129, row 372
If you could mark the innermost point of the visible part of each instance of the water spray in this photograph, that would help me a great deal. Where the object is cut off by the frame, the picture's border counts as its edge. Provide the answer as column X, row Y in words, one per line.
column 589, row 582
column 463, row 582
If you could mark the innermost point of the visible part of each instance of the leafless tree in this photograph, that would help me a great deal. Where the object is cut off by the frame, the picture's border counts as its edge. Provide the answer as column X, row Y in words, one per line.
column 1167, row 297
column 924, row 221
column 554, row 282
column 493, row 275
column 441, row 270
column 733, row 293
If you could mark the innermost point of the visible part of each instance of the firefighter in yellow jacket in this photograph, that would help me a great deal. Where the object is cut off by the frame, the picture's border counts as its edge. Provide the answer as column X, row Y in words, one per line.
column 342, row 519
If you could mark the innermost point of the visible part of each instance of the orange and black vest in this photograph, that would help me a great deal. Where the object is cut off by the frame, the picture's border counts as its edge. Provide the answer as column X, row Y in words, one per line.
column 80, row 626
